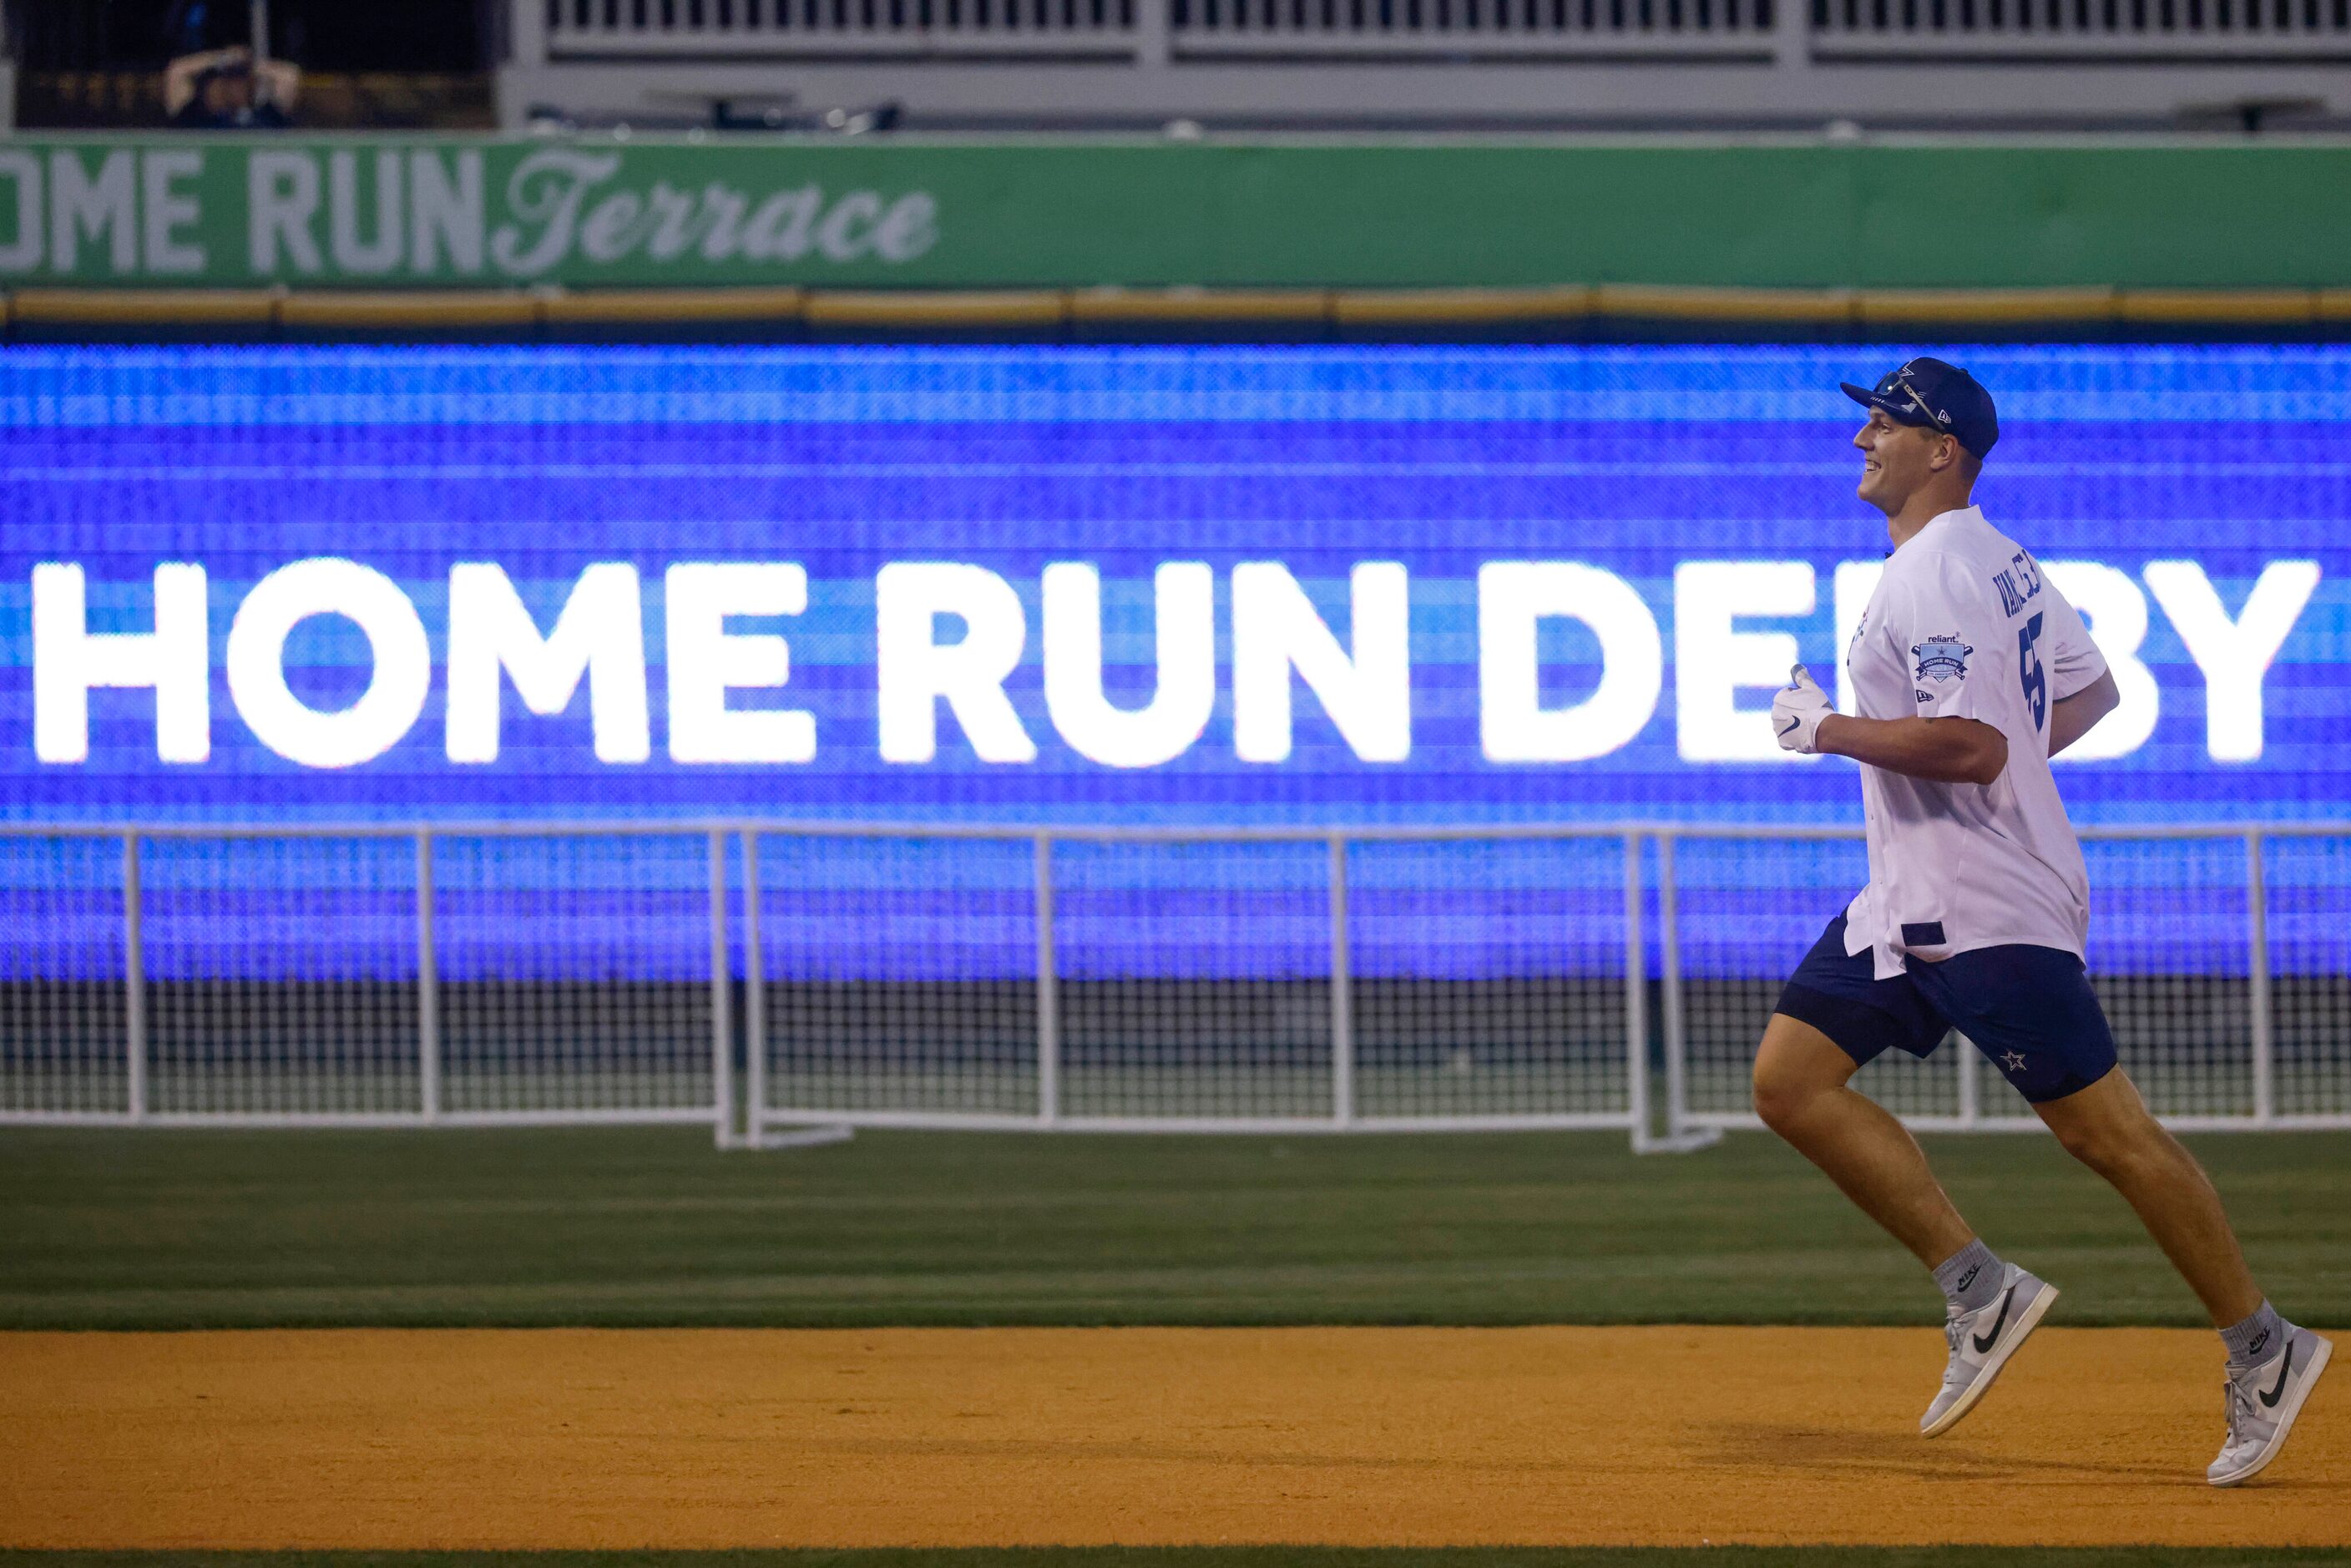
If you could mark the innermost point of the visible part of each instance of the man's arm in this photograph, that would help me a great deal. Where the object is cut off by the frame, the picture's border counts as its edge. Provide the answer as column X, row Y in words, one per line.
column 1946, row 750
column 1949, row 749
column 2071, row 718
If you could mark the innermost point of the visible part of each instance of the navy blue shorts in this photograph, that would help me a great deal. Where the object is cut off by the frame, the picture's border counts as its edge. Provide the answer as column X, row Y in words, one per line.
column 2029, row 1009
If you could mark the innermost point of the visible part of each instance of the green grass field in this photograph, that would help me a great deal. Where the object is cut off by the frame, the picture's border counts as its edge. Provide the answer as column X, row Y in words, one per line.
column 1230, row 1557
column 105, row 1229
column 627, row 1226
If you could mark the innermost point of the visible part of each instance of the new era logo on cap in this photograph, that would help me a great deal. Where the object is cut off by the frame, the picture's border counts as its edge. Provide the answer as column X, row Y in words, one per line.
column 1940, row 396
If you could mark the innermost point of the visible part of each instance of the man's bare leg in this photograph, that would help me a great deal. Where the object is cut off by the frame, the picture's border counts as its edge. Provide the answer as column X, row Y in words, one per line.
column 2273, row 1363
column 1802, row 1093
column 2110, row 1129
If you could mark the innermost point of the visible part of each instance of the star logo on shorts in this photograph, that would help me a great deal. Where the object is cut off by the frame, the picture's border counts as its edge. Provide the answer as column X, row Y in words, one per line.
column 2013, row 1061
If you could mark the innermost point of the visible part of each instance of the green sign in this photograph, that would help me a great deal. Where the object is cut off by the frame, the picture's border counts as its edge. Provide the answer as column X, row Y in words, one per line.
column 244, row 211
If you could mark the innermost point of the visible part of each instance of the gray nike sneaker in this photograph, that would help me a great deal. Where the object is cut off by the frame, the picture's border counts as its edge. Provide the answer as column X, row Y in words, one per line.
column 2261, row 1403
column 1981, row 1342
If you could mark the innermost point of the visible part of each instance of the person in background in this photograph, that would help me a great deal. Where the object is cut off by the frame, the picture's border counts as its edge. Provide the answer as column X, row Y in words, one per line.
column 228, row 89
column 192, row 26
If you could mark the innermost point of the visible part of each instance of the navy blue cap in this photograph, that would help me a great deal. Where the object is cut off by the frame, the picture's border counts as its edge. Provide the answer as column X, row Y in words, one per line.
column 1937, row 395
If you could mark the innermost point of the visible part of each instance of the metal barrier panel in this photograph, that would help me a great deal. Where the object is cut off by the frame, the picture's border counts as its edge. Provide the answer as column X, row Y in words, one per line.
column 281, row 976
column 1194, row 980
column 2169, row 958
column 1748, row 910
column 894, row 975
column 1487, row 978
column 574, row 975
column 1757, row 32
column 2309, row 941
column 2173, row 939
column 65, row 1042
column 1486, row 28
column 2182, row 30
column 1284, row 979
column 631, row 29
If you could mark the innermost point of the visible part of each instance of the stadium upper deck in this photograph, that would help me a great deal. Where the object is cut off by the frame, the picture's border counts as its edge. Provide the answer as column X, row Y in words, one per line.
column 1319, row 63
column 856, row 65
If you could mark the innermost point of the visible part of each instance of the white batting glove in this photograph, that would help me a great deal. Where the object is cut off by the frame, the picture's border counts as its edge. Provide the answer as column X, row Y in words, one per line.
column 1797, row 711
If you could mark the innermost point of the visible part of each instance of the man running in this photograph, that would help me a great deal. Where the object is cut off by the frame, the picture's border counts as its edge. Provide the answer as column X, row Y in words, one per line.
column 1970, row 671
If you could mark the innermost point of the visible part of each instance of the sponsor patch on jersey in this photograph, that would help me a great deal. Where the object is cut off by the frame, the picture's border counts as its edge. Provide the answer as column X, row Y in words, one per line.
column 1941, row 658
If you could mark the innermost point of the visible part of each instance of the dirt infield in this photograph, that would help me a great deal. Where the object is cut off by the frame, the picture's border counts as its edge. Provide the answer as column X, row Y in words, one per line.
column 1021, row 1437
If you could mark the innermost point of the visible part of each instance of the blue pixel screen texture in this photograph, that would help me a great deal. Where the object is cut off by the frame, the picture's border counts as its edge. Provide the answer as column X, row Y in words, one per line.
column 1209, row 585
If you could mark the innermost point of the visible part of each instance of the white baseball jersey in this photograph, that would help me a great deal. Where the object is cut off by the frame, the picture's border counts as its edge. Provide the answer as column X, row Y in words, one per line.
column 1964, row 625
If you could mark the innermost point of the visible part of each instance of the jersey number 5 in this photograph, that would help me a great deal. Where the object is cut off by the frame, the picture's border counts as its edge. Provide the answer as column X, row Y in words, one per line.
column 2028, row 666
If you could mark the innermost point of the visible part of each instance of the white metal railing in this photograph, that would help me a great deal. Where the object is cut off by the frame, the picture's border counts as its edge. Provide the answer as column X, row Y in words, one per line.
column 2176, row 30
column 2181, row 953
column 1489, row 28
column 1791, row 32
column 657, row 30
column 766, row 977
